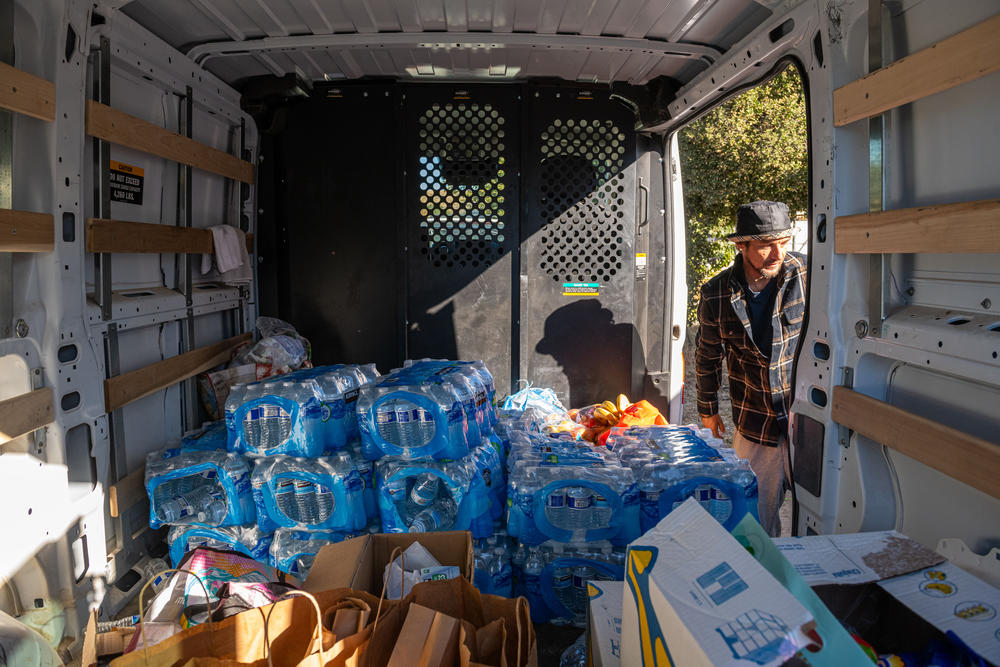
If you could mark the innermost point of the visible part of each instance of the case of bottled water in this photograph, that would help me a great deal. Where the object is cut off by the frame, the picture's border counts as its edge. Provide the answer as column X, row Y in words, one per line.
column 248, row 540
column 482, row 381
column 425, row 410
column 305, row 413
column 553, row 577
column 321, row 493
column 428, row 495
column 673, row 463
column 556, row 500
column 211, row 435
column 209, row 487
column 727, row 489
column 293, row 550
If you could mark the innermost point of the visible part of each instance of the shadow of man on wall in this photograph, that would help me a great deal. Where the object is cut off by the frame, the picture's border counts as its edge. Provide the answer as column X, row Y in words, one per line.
column 591, row 354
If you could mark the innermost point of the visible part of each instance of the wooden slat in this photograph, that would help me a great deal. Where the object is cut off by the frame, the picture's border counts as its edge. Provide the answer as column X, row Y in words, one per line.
column 127, row 491
column 24, row 231
column 127, row 387
column 967, row 227
column 958, row 59
column 121, row 236
column 23, row 414
column 968, row 459
column 110, row 236
column 26, row 93
column 118, row 127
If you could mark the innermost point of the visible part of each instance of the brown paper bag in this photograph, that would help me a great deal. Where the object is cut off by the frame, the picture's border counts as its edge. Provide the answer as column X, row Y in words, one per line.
column 460, row 599
column 240, row 639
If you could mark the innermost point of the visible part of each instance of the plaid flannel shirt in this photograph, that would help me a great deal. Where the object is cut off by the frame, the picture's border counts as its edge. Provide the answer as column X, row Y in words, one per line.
column 760, row 388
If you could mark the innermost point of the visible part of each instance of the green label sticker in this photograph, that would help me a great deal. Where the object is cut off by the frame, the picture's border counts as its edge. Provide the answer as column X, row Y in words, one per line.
column 581, row 289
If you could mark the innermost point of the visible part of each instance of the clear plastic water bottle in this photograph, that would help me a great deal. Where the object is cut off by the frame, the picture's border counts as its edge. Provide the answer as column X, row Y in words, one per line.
column 366, row 471
column 600, row 512
column 284, row 497
column 202, row 504
column 517, row 562
column 427, row 426
column 555, row 508
column 408, row 425
column 324, row 503
column 578, row 508
column 440, row 515
column 581, row 575
column 305, row 502
column 385, row 422
column 532, row 573
column 425, row 489
column 500, row 573
column 562, row 586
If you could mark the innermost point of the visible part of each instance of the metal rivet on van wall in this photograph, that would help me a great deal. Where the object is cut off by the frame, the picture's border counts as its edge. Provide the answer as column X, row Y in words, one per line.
column 986, row 303
column 21, row 328
column 861, row 328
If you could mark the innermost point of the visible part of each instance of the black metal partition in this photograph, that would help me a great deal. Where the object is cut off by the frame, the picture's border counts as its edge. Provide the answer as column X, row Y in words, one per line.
column 493, row 222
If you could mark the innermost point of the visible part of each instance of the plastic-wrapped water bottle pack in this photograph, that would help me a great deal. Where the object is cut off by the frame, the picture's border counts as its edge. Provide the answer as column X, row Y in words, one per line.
column 320, row 493
column 428, row 495
column 208, row 487
column 567, row 501
column 553, row 577
column 428, row 409
column 248, row 540
column 305, row 413
column 672, row 464
column 293, row 550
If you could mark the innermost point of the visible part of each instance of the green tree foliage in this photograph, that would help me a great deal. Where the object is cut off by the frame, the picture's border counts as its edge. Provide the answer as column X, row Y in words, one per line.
column 754, row 146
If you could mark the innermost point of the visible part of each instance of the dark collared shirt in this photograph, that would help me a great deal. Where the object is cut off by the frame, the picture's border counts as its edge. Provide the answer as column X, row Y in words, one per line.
column 759, row 384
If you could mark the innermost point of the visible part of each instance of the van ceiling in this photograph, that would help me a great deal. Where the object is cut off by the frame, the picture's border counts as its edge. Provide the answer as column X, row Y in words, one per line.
column 595, row 41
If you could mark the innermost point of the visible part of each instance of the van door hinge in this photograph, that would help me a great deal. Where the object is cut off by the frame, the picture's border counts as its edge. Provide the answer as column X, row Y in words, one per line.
column 844, row 433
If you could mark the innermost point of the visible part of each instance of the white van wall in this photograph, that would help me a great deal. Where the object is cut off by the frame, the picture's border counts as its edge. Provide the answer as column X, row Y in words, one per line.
column 54, row 484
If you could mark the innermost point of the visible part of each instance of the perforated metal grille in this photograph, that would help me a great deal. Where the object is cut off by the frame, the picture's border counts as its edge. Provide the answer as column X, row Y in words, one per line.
column 582, row 200
column 462, row 182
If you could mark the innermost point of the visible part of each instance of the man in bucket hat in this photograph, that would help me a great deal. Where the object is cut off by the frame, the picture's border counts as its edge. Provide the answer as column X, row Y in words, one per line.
column 751, row 314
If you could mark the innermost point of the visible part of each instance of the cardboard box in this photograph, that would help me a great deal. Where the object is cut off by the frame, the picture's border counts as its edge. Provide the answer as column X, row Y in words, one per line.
column 918, row 579
column 359, row 563
column 427, row 639
column 695, row 596
column 604, row 623
column 855, row 558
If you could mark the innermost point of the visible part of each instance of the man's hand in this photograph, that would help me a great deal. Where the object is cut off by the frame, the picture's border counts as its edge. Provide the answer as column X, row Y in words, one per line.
column 714, row 423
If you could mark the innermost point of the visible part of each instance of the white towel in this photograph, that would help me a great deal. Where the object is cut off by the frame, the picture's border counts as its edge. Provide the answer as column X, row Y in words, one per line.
column 232, row 262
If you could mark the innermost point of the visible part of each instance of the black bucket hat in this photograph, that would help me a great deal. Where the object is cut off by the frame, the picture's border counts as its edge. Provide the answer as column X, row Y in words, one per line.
column 762, row 221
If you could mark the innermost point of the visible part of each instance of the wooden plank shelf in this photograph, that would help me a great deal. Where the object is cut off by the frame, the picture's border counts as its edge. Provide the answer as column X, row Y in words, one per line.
column 128, row 387
column 972, row 227
column 117, row 127
column 127, row 491
column 965, row 457
column 25, row 413
column 24, row 231
column 963, row 57
column 122, row 236
column 27, row 94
